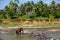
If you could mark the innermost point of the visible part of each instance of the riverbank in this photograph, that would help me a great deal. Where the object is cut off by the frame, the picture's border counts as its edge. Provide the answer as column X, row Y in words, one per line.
column 49, row 27
column 29, row 24
column 46, row 29
column 26, row 24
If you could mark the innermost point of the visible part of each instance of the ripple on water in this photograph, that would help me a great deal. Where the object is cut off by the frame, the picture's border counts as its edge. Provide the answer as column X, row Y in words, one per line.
column 12, row 35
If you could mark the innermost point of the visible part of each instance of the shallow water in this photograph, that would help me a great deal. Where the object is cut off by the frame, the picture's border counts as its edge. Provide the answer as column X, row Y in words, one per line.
column 12, row 35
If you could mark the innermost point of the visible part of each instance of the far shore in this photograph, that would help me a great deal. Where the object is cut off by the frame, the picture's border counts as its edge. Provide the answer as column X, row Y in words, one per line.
column 50, row 29
column 58, row 27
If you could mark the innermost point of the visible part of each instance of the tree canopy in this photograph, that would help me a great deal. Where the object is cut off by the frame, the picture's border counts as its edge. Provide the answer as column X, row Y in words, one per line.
column 30, row 10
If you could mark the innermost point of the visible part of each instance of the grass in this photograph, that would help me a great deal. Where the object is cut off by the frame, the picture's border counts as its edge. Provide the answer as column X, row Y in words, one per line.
column 9, row 24
column 41, row 25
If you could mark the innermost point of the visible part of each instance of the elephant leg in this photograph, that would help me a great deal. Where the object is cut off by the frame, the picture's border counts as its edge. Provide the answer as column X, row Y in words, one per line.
column 21, row 32
column 17, row 33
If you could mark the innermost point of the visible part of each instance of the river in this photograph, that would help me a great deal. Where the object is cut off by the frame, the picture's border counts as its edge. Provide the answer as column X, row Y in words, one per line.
column 11, row 34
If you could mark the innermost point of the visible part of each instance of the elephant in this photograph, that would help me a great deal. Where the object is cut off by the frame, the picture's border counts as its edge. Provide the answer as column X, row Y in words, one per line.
column 19, row 31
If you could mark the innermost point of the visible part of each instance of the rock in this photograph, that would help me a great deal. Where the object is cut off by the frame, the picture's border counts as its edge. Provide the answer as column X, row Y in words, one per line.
column 54, row 39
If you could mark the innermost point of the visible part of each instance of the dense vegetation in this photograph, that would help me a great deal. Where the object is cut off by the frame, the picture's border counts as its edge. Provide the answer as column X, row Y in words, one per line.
column 30, row 11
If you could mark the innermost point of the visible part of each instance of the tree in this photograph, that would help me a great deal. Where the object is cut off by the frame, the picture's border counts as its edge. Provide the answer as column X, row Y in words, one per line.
column 1, row 14
column 40, row 8
column 31, row 10
column 53, row 8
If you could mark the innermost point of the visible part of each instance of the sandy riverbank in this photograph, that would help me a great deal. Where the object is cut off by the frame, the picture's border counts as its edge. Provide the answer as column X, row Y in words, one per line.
column 50, row 29
column 29, row 27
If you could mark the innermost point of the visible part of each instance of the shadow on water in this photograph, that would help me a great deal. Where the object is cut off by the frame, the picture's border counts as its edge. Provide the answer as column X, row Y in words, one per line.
column 11, row 35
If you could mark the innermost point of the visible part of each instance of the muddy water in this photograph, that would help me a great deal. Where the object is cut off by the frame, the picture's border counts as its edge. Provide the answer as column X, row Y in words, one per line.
column 11, row 35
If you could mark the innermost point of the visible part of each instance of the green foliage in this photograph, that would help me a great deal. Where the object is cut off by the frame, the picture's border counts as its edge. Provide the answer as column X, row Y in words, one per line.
column 30, row 11
column 42, row 18
column 32, row 16
column 1, row 14
column 25, row 17
column 51, row 17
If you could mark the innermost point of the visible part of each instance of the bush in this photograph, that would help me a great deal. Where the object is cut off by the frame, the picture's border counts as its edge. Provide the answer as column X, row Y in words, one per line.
column 25, row 17
column 41, row 18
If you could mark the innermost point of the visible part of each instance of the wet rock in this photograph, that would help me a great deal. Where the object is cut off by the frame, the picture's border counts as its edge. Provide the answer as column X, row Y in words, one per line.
column 54, row 39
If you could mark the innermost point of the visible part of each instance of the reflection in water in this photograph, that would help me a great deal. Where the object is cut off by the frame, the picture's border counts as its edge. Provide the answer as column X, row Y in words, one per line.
column 17, row 37
column 12, row 35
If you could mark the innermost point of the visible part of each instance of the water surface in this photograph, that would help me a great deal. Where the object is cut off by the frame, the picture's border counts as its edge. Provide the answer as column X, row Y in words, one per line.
column 12, row 35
